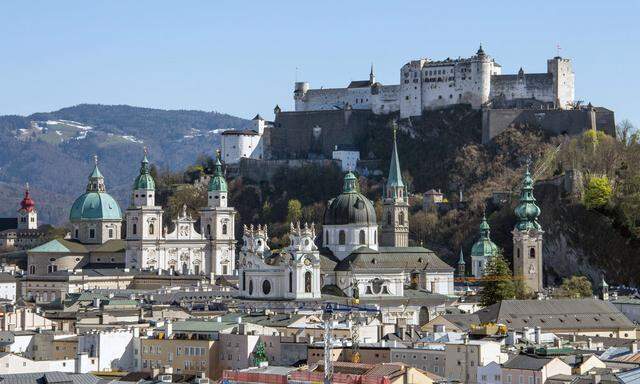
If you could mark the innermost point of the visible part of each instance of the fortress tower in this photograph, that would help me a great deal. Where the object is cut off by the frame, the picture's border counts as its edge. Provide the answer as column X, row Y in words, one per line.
column 395, row 211
column 563, row 81
column 527, row 238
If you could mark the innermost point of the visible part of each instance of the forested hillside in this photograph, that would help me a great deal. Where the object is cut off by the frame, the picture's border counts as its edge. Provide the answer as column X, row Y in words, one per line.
column 53, row 151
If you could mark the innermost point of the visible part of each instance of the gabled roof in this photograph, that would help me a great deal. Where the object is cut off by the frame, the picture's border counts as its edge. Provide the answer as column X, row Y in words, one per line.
column 406, row 258
column 359, row 84
column 60, row 246
column 527, row 362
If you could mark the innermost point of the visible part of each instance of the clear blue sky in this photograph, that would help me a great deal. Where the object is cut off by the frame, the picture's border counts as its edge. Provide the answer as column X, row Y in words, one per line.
column 241, row 57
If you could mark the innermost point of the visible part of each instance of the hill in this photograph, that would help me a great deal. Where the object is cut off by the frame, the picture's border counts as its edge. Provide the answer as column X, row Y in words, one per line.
column 53, row 151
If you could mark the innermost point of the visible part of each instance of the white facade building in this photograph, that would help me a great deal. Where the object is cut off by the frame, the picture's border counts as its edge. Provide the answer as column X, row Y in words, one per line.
column 112, row 349
column 348, row 158
column 249, row 143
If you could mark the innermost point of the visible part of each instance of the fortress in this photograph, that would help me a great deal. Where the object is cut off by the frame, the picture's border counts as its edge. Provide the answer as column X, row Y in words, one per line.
column 426, row 84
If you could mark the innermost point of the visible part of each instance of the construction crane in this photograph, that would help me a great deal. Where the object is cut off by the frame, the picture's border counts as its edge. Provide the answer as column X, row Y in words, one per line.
column 328, row 313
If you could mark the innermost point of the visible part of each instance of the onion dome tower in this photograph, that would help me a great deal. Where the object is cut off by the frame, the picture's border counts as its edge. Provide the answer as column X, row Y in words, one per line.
column 27, row 214
column 483, row 249
column 217, row 224
column 349, row 221
column 95, row 215
column 395, row 210
column 527, row 238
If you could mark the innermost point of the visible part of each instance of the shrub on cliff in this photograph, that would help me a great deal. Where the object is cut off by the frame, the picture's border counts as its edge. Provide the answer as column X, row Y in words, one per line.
column 598, row 192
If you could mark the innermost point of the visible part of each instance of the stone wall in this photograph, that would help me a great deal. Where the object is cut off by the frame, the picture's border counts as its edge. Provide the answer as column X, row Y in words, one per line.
column 554, row 121
column 314, row 134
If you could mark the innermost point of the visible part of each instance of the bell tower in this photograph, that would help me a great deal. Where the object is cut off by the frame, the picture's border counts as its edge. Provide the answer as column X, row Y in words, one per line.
column 527, row 238
column 27, row 214
column 217, row 224
column 395, row 210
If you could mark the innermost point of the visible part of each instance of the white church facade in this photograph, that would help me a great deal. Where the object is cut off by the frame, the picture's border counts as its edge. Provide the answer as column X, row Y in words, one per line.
column 186, row 249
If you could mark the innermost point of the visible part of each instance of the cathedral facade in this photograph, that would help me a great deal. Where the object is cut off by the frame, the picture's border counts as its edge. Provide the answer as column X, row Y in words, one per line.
column 185, row 249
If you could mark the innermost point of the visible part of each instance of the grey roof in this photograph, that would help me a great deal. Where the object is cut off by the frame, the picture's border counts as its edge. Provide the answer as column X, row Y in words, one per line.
column 7, row 278
column 359, row 84
column 556, row 314
column 49, row 378
column 526, row 362
column 629, row 377
column 406, row 258
column 246, row 132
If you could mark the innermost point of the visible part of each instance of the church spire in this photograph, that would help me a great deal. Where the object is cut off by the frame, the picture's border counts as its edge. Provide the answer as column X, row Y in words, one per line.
column 217, row 182
column 372, row 76
column 395, row 174
column 144, row 180
column 527, row 211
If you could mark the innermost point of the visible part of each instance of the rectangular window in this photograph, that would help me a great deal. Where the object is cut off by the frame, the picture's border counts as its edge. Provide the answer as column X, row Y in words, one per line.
column 92, row 233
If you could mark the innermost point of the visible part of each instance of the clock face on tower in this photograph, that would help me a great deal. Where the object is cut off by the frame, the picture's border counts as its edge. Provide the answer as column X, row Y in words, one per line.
column 306, row 262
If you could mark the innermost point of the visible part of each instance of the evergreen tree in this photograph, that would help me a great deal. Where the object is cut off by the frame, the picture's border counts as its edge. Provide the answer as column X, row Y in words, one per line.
column 498, row 281
column 260, row 355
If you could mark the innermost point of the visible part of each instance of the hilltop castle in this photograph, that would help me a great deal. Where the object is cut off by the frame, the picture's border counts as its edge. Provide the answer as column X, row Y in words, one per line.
column 427, row 84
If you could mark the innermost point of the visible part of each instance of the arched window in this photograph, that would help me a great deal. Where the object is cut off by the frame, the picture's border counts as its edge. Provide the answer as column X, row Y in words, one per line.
column 151, row 229
column 111, row 233
column 401, row 218
column 224, row 229
column 307, row 282
column 290, row 281
column 196, row 269
column 266, row 287
column 76, row 233
column 518, row 253
column 52, row 268
column 32, row 269
column 342, row 238
column 362, row 237
column 250, row 287
column 532, row 253
column 185, row 269
column 134, row 228
column 208, row 229
column 326, row 237
column 244, row 280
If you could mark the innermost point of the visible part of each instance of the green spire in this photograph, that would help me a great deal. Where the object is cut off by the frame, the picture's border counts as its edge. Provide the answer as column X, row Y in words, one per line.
column 217, row 182
column 461, row 259
column 96, row 180
column 395, row 174
column 144, row 179
column 527, row 211
column 350, row 183
column 485, row 230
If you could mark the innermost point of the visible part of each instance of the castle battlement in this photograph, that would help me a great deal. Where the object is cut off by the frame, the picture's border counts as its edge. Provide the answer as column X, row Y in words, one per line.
column 431, row 84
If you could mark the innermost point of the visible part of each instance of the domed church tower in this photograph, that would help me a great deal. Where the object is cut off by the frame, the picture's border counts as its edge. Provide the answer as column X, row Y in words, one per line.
column 217, row 224
column 482, row 250
column 27, row 214
column 144, row 218
column 350, row 221
column 395, row 210
column 527, row 238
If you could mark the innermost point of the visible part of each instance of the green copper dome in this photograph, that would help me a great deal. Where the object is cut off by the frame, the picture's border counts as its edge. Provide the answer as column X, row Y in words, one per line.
column 144, row 179
column 350, row 207
column 527, row 211
column 484, row 247
column 95, row 203
column 217, row 182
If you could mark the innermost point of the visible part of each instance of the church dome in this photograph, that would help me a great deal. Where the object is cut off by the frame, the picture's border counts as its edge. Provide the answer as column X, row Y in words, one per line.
column 95, row 203
column 484, row 246
column 95, row 206
column 350, row 207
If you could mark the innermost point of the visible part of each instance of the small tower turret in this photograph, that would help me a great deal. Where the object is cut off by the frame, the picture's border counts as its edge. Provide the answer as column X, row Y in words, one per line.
column 217, row 191
column 461, row 265
column 527, row 238
column 27, row 214
column 604, row 289
column 372, row 76
column 395, row 210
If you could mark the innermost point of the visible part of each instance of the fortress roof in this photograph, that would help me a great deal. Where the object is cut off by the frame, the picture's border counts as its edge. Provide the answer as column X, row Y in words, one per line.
column 245, row 132
column 359, row 84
